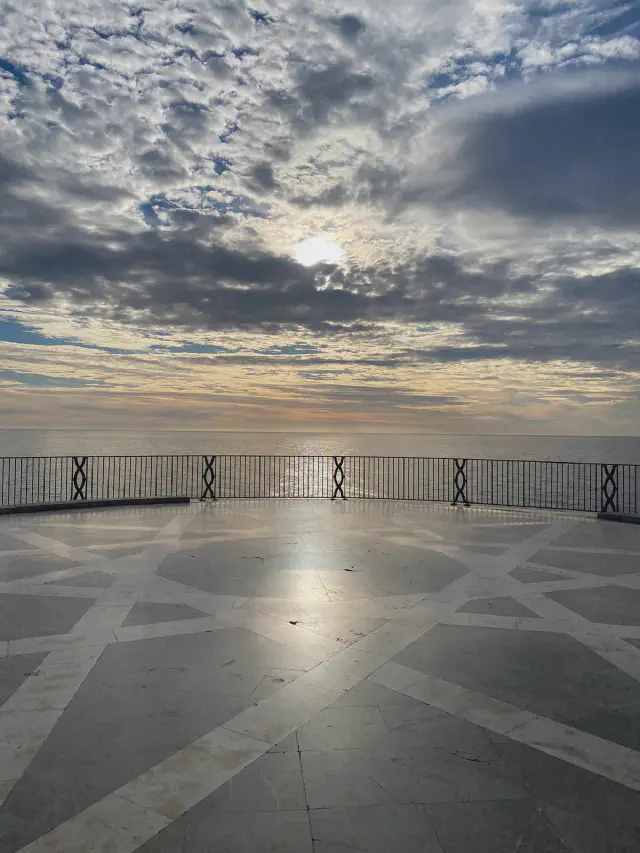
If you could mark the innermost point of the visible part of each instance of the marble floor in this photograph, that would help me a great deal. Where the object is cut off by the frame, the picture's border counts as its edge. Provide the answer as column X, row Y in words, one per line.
column 317, row 677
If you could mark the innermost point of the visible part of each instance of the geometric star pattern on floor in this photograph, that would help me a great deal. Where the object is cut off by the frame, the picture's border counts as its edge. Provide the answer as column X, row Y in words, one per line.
column 339, row 637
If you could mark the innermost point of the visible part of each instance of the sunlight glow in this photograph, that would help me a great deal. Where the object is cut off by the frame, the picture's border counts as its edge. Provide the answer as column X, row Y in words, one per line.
column 317, row 250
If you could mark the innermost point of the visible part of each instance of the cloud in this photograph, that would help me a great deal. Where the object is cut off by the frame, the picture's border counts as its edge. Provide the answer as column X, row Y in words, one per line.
column 559, row 149
column 161, row 163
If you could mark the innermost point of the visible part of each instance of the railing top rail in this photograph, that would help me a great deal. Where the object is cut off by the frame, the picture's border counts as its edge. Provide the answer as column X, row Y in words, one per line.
column 330, row 455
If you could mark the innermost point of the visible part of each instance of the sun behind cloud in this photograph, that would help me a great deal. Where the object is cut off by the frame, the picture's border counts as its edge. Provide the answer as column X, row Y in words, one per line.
column 318, row 250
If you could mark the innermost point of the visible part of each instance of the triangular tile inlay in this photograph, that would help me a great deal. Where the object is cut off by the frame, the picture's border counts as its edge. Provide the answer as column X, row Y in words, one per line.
column 147, row 613
column 500, row 606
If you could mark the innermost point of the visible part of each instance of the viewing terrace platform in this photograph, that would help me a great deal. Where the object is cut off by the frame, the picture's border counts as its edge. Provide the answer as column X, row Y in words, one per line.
column 319, row 677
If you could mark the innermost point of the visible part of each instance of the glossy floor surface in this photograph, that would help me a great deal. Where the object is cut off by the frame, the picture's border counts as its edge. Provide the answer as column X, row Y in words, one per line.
column 306, row 676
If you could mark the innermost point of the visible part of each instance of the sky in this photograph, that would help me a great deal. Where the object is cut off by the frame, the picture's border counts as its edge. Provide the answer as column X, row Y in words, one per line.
column 309, row 215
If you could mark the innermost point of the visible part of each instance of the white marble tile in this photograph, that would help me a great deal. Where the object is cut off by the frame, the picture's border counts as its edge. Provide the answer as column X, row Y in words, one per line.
column 303, row 640
column 6, row 786
column 18, row 552
column 52, row 684
column 251, row 620
column 343, row 671
column 100, row 828
column 187, row 777
column 105, row 526
column 274, row 680
column 281, row 608
column 21, row 735
column 100, row 616
column 477, row 708
column 75, row 654
column 169, row 629
column 391, row 639
column 395, row 676
column 61, row 641
column 119, row 595
column 51, row 591
column 279, row 715
column 549, row 609
column 624, row 656
column 603, row 757
column 53, row 546
column 576, row 747
column 58, row 575
column 203, row 601
column 632, row 631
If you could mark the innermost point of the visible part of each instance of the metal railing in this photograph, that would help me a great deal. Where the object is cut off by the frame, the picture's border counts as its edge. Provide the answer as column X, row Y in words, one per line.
column 578, row 486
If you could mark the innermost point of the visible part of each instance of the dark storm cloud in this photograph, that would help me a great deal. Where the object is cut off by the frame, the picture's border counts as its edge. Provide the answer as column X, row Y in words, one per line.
column 564, row 149
column 170, row 278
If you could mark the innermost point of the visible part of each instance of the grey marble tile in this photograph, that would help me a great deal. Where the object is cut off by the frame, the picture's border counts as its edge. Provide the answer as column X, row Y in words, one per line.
column 260, row 832
column 38, row 616
column 368, row 693
column 613, row 605
column 592, row 814
column 272, row 783
column 343, row 629
column 425, row 726
column 108, row 735
column 600, row 534
column 410, row 775
column 14, row 670
column 549, row 674
column 28, row 566
column 201, row 661
column 89, row 579
column 94, row 534
column 512, row 533
column 251, row 579
column 147, row 613
column 498, row 606
column 289, row 744
column 605, row 565
column 343, row 728
column 374, row 829
column 495, row 827
column 489, row 549
column 429, row 574
column 527, row 575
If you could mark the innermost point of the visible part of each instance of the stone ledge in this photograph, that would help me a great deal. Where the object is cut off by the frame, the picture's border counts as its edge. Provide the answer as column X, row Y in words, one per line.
column 625, row 518
column 93, row 504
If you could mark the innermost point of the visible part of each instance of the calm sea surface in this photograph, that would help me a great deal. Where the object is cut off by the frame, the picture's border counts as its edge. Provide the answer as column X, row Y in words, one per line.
column 546, row 448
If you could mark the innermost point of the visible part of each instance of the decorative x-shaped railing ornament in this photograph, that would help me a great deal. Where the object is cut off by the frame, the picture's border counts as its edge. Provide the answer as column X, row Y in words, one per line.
column 79, row 479
column 609, row 488
column 460, row 482
column 338, row 478
column 209, row 477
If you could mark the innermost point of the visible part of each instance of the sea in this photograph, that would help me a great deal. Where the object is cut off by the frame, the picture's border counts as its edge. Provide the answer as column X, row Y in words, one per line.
column 546, row 448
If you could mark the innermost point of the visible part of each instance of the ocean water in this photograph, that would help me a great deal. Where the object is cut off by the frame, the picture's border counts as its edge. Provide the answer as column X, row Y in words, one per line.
column 615, row 449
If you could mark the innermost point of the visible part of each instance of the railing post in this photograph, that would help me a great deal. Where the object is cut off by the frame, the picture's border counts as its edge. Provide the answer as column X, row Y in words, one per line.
column 209, row 478
column 460, row 482
column 338, row 478
column 79, row 478
column 609, row 488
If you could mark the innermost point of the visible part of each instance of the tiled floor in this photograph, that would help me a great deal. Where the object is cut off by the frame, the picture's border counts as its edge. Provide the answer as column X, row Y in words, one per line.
column 309, row 677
